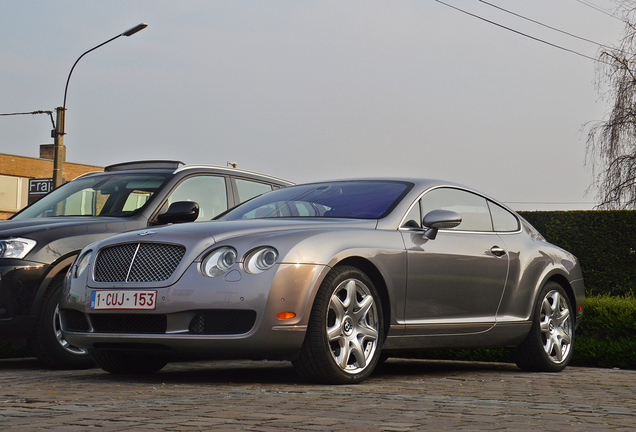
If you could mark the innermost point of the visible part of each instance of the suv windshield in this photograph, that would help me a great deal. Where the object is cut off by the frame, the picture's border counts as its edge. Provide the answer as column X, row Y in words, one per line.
column 345, row 199
column 99, row 195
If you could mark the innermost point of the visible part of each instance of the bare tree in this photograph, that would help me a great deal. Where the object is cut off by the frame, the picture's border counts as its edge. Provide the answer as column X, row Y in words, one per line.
column 611, row 143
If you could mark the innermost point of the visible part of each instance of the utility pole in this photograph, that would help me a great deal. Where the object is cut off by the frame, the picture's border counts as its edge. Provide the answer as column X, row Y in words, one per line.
column 58, row 148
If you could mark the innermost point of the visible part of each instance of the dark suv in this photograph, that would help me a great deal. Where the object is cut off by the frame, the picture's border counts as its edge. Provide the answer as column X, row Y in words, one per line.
column 39, row 243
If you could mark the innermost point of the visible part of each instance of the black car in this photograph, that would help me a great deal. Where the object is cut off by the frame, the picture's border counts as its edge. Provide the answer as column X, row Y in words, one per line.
column 39, row 244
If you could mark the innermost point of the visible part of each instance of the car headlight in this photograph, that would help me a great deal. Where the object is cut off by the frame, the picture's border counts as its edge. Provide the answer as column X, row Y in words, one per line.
column 16, row 247
column 218, row 261
column 260, row 260
column 82, row 263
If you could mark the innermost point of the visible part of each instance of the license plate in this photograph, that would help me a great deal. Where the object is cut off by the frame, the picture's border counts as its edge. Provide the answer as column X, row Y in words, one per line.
column 112, row 299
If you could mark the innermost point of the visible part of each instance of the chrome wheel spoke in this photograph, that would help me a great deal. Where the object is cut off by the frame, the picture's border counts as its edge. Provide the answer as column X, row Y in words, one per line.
column 338, row 307
column 367, row 333
column 563, row 317
column 358, row 352
column 334, row 333
column 364, row 307
column 549, row 345
column 343, row 359
column 557, row 348
column 350, row 300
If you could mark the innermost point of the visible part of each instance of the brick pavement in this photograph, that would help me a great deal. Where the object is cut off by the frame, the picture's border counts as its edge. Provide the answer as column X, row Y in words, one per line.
column 403, row 395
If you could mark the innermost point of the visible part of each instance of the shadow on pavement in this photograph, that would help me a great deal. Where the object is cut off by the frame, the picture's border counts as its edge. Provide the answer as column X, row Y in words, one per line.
column 259, row 372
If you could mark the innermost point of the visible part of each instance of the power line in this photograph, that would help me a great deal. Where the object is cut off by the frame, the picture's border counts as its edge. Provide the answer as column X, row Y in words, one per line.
column 548, row 202
column 599, row 9
column 28, row 113
column 50, row 113
column 544, row 25
column 521, row 33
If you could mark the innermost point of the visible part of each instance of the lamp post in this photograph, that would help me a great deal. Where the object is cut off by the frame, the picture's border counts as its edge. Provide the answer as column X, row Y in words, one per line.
column 58, row 132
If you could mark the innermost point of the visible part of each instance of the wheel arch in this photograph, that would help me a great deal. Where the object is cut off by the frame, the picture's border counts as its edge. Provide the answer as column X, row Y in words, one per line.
column 565, row 284
column 376, row 277
column 58, row 267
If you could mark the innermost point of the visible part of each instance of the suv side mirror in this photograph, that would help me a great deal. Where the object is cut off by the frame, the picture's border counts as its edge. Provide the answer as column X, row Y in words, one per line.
column 438, row 219
column 180, row 211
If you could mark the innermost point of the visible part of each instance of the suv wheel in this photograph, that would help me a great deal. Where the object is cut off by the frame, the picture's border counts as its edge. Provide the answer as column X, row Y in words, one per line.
column 47, row 342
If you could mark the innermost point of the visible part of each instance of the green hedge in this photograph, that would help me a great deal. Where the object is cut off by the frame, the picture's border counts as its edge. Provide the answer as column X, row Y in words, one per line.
column 603, row 241
column 607, row 336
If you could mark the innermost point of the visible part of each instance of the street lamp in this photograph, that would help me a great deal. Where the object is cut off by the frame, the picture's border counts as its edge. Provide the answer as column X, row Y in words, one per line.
column 58, row 132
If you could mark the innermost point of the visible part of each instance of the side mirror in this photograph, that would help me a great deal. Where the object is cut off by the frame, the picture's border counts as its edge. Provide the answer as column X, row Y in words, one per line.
column 438, row 219
column 180, row 211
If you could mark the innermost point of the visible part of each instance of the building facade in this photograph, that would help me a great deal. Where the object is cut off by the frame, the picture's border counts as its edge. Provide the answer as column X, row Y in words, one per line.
column 17, row 171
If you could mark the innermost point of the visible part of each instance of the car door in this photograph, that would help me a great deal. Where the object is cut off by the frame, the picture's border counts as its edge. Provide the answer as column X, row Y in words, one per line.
column 455, row 282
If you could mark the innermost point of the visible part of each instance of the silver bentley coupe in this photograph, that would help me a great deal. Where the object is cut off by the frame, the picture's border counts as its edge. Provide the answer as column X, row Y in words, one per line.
column 333, row 276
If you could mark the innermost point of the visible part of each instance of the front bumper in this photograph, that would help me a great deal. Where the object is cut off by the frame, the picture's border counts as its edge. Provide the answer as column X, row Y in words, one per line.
column 19, row 284
column 179, row 308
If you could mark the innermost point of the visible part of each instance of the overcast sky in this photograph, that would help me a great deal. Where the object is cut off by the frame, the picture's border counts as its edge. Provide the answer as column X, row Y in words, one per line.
column 312, row 90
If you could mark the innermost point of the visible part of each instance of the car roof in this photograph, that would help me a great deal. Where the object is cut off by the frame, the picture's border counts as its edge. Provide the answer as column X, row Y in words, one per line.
column 175, row 167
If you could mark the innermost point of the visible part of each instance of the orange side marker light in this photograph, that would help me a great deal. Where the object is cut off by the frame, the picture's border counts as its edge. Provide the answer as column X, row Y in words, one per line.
column 285, row 315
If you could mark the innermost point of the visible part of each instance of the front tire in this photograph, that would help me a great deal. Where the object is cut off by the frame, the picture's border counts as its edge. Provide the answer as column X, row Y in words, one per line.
column 550, row 343
column 124, row 363
column 345, row 331
column 47, row 342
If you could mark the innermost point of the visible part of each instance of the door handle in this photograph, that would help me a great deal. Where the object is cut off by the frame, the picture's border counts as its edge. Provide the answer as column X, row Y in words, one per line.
column 497, row 251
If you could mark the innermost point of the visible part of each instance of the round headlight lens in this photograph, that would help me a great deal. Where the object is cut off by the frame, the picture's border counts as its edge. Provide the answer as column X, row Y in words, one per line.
column 260, row 260
column 218, row 261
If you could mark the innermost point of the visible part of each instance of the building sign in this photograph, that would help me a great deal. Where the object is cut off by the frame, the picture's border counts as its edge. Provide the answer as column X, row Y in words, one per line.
column 38, row 188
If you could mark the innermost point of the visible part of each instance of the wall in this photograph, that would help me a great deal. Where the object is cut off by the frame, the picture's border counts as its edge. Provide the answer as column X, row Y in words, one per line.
column 15, row 172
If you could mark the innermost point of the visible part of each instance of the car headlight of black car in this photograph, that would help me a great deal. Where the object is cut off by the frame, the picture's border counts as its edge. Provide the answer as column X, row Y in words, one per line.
column 16, row 247
column 218, row 262
column 260, row 260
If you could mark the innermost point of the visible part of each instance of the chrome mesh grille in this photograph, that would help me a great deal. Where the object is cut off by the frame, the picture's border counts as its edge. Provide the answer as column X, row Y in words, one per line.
column 137, row 262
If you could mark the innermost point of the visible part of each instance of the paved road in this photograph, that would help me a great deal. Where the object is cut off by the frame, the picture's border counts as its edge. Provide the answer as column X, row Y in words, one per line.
column 403, row 395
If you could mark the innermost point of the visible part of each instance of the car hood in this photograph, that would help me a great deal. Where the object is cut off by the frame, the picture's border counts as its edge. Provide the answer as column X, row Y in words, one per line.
column 198, row 236
column 23, row 227
column 58, row 237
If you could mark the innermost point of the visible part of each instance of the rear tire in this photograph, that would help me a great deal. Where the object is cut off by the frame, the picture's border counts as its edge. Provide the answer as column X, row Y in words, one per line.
column 47, row 342
column 125, row 363
column 345, row 332
column 550, row 343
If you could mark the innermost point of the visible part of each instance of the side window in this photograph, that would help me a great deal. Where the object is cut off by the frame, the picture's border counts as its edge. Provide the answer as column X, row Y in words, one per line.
column 472, row 208
column 210, row 192
column 502, row 219
column 249, row 189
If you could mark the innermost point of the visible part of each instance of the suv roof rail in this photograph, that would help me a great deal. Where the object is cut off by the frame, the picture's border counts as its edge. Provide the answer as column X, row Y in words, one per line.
column 234, row 171
column 149, row 164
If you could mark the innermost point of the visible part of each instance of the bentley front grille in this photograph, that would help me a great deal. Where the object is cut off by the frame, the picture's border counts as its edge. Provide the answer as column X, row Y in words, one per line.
column 137, row 262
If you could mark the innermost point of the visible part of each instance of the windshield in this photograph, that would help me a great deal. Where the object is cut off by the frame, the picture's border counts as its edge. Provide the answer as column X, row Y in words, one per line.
column 345, row 199
column 100, row 195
